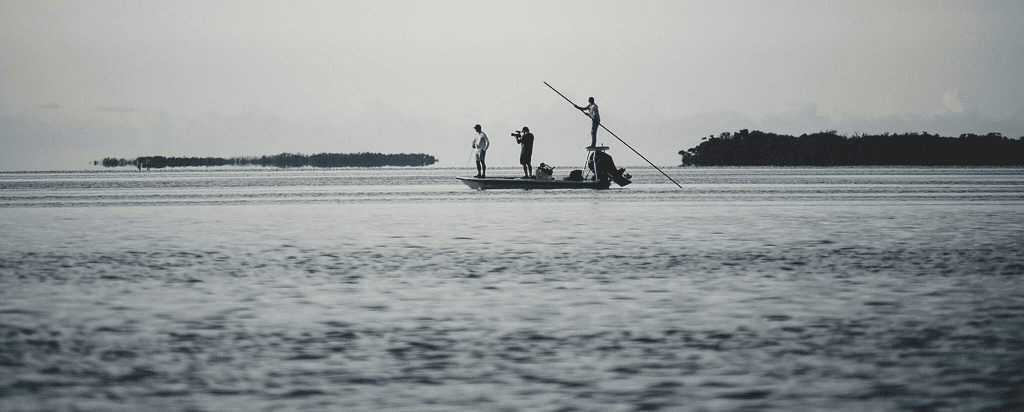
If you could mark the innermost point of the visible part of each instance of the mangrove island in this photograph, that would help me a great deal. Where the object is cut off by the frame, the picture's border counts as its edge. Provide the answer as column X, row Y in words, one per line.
column 756, row 148
column 281, row 160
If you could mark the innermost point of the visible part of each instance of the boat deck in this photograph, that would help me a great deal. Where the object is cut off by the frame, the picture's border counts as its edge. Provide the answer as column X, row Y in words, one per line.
column 521, row 183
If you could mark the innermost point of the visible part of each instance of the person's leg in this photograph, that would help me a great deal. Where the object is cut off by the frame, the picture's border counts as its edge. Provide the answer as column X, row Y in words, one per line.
column 593, row 134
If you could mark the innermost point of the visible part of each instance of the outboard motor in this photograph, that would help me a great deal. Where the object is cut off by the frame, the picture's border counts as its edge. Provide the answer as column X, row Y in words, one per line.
column 605, row 169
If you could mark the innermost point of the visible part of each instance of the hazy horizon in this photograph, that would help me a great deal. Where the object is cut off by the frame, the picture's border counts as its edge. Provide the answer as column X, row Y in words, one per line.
column 80, row 81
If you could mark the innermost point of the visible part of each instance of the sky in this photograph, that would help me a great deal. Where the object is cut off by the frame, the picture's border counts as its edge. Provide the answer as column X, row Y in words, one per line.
column 84, row 80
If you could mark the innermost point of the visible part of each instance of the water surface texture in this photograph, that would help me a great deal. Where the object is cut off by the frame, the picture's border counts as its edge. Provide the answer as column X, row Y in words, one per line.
column 766, row 289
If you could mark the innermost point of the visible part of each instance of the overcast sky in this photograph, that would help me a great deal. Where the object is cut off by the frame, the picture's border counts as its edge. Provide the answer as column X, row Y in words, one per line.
column 84, row 80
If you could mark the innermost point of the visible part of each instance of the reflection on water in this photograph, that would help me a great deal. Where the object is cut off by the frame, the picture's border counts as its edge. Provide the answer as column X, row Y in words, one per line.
column 242, row 186
column 751, row 289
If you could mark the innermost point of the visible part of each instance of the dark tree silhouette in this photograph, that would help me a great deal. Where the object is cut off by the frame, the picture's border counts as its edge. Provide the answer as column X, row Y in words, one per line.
column 756, row 148
column 281, row 160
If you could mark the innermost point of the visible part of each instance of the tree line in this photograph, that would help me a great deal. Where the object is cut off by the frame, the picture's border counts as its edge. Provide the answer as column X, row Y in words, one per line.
column 281, row 160
column 756, row 148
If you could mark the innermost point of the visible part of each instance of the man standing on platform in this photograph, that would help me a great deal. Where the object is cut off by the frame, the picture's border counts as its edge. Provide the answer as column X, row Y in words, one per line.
column 595, row 117
column 526, row 155
column 481, row 143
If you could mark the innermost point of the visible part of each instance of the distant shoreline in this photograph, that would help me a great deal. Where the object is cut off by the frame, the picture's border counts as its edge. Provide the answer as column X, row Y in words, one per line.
column 756, row 148
column 283, row 160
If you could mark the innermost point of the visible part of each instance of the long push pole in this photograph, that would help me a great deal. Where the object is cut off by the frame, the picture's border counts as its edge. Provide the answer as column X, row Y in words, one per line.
column 620, row 139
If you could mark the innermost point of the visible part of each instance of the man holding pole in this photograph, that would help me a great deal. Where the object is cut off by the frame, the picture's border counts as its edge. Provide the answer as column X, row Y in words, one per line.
column 595, row 117
column 597, row 122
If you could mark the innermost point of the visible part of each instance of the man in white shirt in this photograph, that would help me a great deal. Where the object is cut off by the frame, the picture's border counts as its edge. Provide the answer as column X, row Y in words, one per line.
column 481, row 143
column 595, row 117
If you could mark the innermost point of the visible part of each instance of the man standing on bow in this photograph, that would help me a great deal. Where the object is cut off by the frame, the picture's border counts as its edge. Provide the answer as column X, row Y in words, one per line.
column 595, row 117
column 481, row 143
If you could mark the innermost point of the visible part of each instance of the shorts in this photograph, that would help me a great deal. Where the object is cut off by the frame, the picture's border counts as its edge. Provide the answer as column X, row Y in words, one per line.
column 480, row 155
column 525, row 158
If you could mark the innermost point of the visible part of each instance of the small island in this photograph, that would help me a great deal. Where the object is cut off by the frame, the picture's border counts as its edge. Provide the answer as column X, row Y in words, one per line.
column 282, row 160
column 756, row 148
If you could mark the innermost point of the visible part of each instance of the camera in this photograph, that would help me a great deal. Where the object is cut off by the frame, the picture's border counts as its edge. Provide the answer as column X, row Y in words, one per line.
column 517, row 134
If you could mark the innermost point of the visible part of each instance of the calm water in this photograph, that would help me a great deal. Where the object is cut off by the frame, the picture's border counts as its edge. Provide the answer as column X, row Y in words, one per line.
column 776, row 289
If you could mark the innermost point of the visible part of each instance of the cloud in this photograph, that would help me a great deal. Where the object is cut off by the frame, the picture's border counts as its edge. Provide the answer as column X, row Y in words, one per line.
column 116, row 109
column 954, row 101
column 797, row 119
column 34, row 143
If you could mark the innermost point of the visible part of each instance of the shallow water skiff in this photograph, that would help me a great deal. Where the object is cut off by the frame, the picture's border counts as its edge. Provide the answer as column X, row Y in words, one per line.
column 481, row 183
column 598, row 173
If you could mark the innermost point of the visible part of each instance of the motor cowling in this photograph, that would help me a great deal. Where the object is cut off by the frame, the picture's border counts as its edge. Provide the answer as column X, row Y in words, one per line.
column 604, row 168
